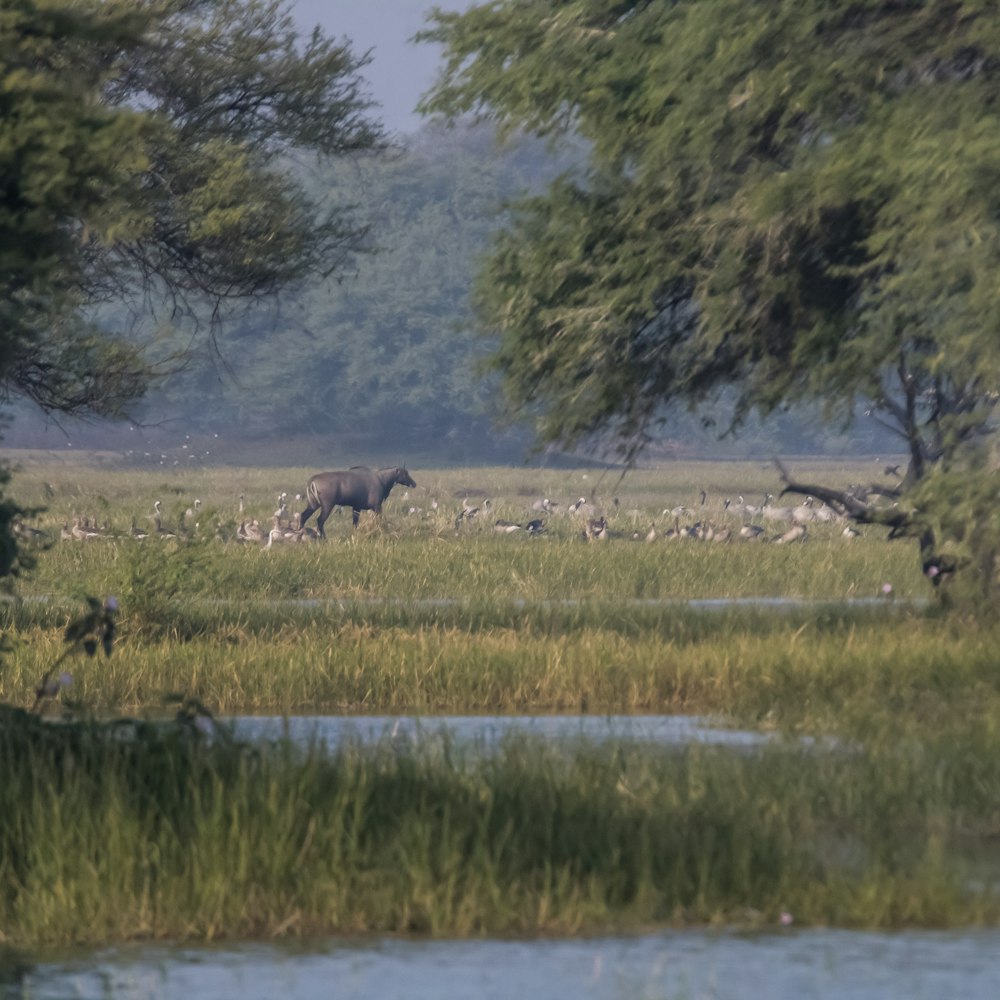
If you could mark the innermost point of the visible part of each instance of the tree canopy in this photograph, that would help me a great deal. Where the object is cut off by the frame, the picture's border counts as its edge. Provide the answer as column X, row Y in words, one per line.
column 144, row 148
column 789, row 200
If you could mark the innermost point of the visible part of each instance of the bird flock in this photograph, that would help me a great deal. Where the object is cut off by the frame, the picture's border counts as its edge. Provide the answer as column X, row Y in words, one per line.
column 728, row 520
column 705, row 519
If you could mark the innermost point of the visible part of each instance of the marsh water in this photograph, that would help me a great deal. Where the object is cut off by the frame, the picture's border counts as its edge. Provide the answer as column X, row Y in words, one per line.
column 488, row 731
column 678, row 965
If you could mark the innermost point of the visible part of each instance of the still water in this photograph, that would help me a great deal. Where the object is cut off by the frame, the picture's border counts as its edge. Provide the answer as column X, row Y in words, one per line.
column 686, row 965
column 490, row 730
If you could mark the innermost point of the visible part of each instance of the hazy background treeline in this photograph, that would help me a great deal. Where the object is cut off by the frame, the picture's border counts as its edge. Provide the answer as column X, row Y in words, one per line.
column 388, row 357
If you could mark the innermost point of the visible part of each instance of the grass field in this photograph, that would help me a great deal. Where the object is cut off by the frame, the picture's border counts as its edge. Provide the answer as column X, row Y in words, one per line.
column 414, row 613
column 159, row 832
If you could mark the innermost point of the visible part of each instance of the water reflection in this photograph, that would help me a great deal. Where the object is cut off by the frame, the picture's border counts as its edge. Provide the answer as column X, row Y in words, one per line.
column 807, row 965
column 489, row 730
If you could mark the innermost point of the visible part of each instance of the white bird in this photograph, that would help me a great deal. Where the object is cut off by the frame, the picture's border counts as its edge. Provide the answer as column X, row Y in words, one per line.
column 794, row 534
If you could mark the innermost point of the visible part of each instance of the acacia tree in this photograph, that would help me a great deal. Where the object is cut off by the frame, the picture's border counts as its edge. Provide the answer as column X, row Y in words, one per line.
column 157, row 149
column 786, row 200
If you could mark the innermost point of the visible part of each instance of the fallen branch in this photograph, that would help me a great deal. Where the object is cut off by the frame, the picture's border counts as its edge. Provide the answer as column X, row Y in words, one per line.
column 901, row 523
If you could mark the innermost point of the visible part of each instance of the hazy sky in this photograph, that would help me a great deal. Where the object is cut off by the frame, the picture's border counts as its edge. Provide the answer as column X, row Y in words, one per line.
column 399, row 71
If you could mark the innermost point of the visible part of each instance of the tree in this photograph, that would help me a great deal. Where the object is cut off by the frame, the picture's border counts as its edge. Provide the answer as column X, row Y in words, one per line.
column 786, row 200
column 56, row 142
column 147, row 146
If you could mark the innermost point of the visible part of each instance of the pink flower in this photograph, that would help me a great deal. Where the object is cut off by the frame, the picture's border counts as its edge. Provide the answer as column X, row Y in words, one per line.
column 785, row 919
column 887, row 589
column 933, row 571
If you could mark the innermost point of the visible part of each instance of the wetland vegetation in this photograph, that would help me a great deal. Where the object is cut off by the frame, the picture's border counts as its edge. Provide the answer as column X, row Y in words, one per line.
column 148, row 829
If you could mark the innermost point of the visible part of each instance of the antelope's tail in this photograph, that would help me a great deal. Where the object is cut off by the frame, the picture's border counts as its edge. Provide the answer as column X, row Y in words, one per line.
column 312, row 494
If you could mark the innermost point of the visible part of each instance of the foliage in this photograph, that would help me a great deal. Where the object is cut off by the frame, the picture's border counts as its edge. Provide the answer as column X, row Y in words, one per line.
column 93, row 630
column 782, row 199
column 146, row 148
column 67, row 165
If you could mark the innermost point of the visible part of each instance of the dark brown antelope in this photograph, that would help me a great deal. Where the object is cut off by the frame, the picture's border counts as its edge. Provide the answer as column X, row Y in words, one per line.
column 358, row 488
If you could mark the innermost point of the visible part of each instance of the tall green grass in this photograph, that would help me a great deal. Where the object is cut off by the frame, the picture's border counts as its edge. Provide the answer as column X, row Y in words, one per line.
column 481, row 567
column 807, row 670
column 164, row 835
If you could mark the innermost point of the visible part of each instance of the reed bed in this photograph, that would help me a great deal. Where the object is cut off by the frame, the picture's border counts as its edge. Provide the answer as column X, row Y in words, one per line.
column 111, row 835
column 481, row 567
column 803, row 670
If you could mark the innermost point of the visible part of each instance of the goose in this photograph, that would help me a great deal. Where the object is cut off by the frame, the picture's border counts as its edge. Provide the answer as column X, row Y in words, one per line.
column 136, row 532
column 751, row 531
column 249, row 532
column 850, row 532
column 794, row 534
column 804, row 513
column 824, row 513
column 82, row 533
column 535, row 527
column 160, row 530
column 770, row 513
column 503, row 527
column 281, row 534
